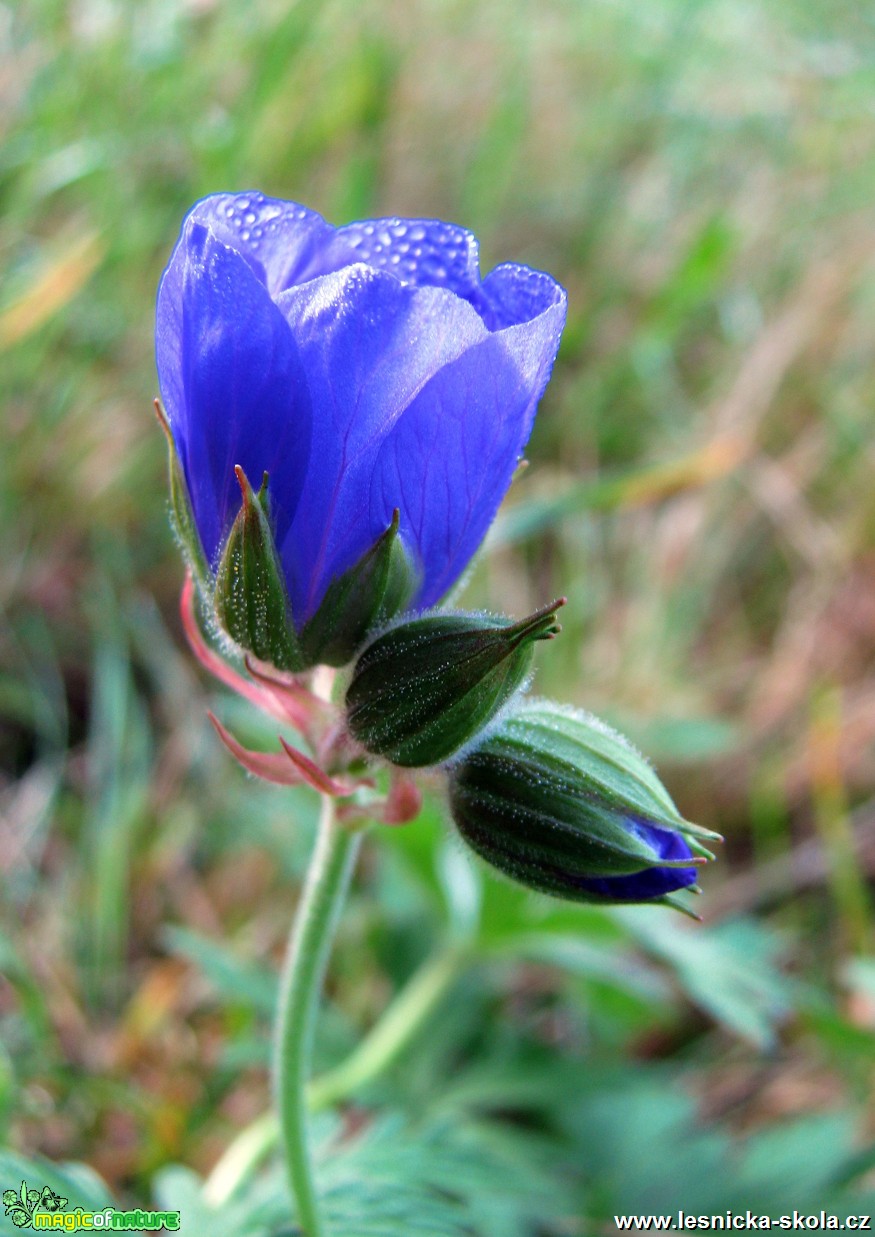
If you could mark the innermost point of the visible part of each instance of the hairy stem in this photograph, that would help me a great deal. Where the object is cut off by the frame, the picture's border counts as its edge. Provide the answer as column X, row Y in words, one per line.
column 300, row 987
column 388, row 1038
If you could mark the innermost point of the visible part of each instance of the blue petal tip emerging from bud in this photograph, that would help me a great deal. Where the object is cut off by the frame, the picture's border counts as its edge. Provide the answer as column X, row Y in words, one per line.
column 560, row 803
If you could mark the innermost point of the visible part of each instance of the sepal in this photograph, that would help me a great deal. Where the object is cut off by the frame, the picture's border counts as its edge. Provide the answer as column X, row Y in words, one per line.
column 361, row 800
column 557, row 801
column 182, row 516
column 426, row 687
column 250, row 598
column 292, row 768
column 364, row 598
column 282, row 697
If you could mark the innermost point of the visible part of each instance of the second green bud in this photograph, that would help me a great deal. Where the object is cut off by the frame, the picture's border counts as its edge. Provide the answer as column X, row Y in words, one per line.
column 425, row 688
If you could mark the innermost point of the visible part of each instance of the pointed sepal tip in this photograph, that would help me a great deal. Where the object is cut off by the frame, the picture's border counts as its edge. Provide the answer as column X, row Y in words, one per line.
column 250, row 597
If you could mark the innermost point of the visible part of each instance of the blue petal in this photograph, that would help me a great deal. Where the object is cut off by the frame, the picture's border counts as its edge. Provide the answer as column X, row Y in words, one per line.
column 514, row 294
column 652, row 882
column 232, row 383
column 449, row 462
column 369, row 345
column 285, row 244
column 424, row 252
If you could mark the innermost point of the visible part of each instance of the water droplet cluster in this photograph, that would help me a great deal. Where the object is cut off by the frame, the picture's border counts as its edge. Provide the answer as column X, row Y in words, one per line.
column 424, row 252
column 256, row 218
column 517, row 294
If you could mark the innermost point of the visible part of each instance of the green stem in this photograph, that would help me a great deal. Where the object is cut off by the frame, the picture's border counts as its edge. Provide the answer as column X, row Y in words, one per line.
column 300, row 986
column 392, row 1033
column 397, row 1027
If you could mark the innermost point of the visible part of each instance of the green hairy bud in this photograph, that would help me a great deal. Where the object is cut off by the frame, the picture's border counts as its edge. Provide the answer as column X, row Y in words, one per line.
column 561, row 803
column 426, row 687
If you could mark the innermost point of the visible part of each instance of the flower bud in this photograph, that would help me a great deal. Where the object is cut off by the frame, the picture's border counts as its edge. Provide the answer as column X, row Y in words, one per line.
column 250, row 598
column 559, row 802
column 426, row 687
column 366, row 596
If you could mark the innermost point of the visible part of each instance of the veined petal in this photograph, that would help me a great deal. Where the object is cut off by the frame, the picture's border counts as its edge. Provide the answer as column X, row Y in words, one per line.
column 369, row 345
column 232, row 383
column 449, row 460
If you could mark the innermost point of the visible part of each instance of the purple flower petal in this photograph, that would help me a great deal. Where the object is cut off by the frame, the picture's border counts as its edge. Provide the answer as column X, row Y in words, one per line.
column 652, row 882
column 284, row 243
column 369, row 345
column 232, row 384
column 424, row 252
column 449, row 461
column 515, row 294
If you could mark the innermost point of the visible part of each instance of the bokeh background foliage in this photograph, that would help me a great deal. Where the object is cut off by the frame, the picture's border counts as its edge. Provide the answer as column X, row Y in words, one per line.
column 699, row 174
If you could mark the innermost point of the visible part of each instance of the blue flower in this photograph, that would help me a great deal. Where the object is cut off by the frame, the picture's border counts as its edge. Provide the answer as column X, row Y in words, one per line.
column 364, row 368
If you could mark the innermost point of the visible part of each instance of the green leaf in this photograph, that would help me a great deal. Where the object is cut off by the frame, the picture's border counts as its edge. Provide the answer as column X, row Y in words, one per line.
column 800, row 1160
column 452, row 1177
column 445, row 1178
column 261, row 1209
column 594, row 961
column 237, row 981
column 727, row 971
column 76, row 1182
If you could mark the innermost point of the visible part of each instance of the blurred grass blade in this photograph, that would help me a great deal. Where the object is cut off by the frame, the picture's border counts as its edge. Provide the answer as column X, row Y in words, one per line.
column 631, row 488
column 119, row 767
column 52, row 287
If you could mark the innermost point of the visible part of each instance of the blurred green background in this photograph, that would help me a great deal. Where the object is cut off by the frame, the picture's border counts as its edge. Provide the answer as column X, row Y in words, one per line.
column 700, row 175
